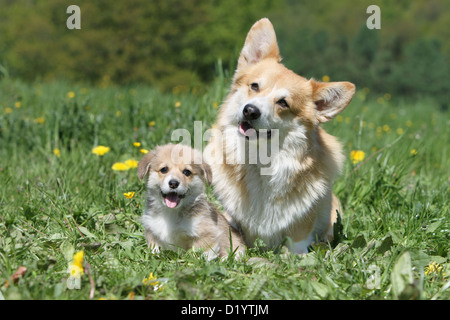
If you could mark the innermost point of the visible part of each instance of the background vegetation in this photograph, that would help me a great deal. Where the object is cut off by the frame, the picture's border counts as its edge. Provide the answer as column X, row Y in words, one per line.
column 137, row 70
column 176, row 44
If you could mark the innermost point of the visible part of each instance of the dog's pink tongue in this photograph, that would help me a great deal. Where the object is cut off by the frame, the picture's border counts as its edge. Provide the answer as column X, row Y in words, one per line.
column 171, row 200
column 246, row 129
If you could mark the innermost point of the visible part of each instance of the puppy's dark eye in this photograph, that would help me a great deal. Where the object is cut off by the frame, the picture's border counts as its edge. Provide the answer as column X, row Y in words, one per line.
column 283, row 103
column 254, row 86
column 186, row 172
column 164, row 170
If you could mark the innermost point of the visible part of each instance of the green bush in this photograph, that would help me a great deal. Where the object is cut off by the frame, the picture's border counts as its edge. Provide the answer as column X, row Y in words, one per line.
column 174, row 44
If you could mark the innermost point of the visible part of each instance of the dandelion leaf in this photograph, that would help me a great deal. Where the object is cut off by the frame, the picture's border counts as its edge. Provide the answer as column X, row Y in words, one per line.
column 403, row 285
column 385, row 245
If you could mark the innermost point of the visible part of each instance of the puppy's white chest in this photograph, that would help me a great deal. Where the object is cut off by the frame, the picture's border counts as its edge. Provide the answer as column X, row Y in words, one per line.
column 171, row 229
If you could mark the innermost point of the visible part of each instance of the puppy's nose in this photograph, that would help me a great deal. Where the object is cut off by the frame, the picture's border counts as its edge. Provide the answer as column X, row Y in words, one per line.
column 173, row 184
column 251, row 112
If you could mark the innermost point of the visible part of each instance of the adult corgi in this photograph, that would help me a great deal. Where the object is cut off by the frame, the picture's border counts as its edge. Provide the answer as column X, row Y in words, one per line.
column 270, row 104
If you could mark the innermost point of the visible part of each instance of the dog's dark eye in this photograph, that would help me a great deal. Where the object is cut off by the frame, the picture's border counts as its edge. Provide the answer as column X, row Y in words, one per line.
column 254, row 86
column 186, row 172
column 164, row 170
column 283, row 103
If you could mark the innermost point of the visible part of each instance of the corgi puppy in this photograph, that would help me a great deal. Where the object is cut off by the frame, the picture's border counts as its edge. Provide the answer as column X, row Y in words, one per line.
column 270, row 104
column 177, row 214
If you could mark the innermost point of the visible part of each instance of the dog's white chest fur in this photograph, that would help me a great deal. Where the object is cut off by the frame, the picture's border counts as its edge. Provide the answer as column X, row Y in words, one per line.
column 170, row 227
column 274, row 202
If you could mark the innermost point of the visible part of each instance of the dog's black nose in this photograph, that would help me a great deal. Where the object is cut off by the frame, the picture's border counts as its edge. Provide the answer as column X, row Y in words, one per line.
column 173, row 184
column 251, row 112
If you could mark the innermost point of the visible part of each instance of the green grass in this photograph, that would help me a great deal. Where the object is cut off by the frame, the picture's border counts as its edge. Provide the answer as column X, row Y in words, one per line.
column 395, row 220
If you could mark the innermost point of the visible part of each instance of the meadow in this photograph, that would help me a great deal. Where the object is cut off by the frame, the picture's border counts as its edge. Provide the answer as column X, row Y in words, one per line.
column 58, row 197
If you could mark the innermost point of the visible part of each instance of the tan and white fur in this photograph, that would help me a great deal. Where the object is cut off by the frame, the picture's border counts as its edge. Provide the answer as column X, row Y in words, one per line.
column 295, row 200
column 177, row 214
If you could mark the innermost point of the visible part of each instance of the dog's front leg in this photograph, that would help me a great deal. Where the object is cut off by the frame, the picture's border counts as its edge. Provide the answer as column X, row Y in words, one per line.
column 152, row 244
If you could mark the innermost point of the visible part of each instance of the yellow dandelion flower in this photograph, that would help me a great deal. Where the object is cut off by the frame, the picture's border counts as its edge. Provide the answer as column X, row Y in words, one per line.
column 409, row 123
column 100, row 150
column 215, row 105
column 18, row 104
column 387, row 96
column 118, row 113
column 137, row 144
column 8, row 110
column 347, row 120
column 144, row 151
column 177, row 104
column 129, row 195
column 120, row 166
column 433, row 267
column 57, row 152
column 400, row 131
column 151, row 123
column 325, row 78
column 78, row 258
column 131, row 163
column 39, row 120
column 414, row 152
column 357, row 156
column 339, row 118
column 71, row 94
column 152, row 281
column 76, row 267
column 386, row 128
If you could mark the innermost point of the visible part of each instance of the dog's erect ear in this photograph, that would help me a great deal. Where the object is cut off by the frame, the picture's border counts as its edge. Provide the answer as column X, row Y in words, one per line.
column 331, row 98
column 144, row 165
column 261, row 43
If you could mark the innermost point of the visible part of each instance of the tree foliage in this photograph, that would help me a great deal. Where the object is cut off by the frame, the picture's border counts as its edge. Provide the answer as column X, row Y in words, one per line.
column 175, row 43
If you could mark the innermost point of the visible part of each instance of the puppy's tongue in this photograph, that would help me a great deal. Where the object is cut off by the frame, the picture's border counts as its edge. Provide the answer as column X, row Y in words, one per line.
column 171, row 200
column 246, row 129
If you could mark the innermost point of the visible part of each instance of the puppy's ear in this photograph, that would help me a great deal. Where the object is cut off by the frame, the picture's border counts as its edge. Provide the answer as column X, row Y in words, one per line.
column 331, row 98
column 261, row 43
column 207, row 172
column 144, row 165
